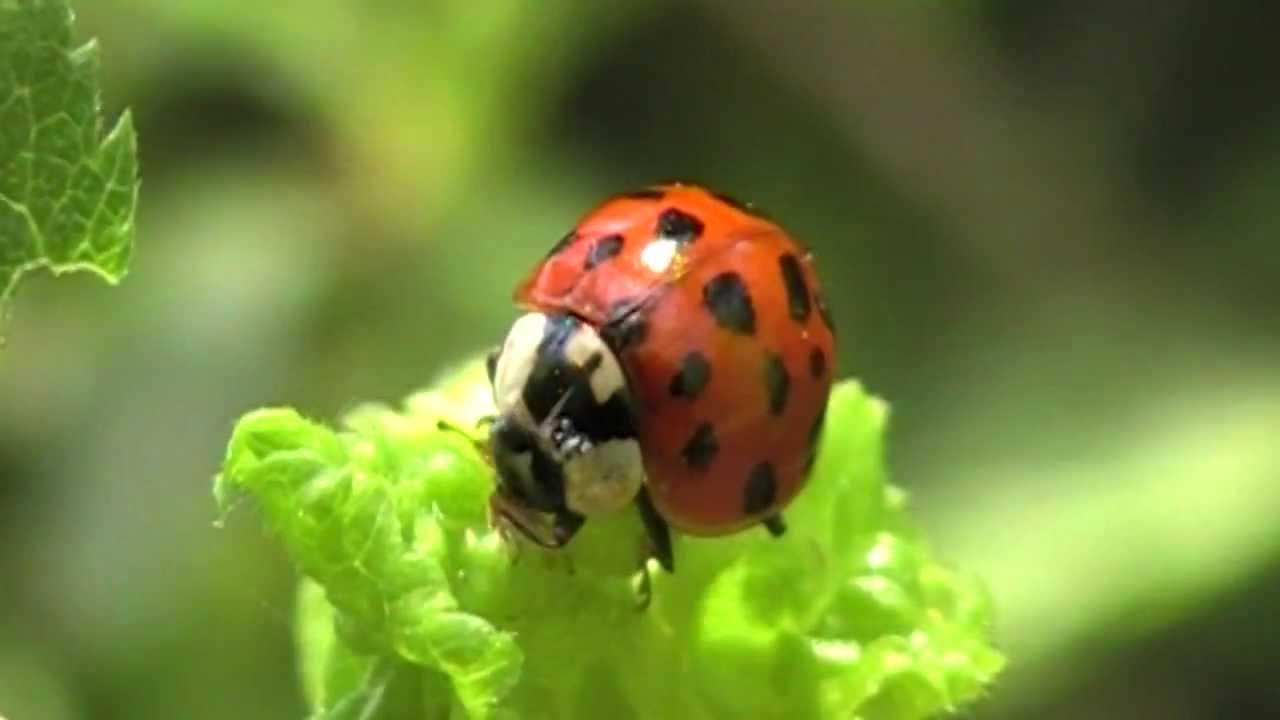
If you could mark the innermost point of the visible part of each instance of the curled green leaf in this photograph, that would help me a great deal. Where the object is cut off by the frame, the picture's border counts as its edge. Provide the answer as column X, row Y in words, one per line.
column 847, row 615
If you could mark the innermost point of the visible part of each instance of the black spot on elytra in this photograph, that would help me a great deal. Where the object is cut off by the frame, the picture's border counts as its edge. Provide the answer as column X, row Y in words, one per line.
column 821, row 301
column 760, row 490
column 797, row 291
column 564, row 242
column 701, row 449
column 625, row 325
column 678, row 225
column 692, row 376
column 726, row 297
column 777, row 383
column 602, row 249
column 646, row 194
column 817, row 363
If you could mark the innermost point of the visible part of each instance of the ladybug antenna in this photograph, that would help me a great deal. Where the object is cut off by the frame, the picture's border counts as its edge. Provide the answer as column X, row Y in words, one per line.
column 548, row 423
column 480, row 446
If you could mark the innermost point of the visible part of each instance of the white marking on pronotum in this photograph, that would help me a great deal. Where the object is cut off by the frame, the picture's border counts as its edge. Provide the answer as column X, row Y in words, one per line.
column 519, row 354
column 607, row 378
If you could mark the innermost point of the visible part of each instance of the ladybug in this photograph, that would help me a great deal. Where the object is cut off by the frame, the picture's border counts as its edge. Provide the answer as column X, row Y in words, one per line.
column 675, row 353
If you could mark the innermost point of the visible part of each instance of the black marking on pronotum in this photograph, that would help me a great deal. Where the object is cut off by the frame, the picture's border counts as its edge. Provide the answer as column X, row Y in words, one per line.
column 646, row 194
column 701, row 448
column 602, row 249
column 797, row 291
column 777, row 383
column 563, row 243
column 625, row 324
column 725, row 295
column 817, row 363
column 678, row 225
column 692, row 376
column 557, row 384
column 760, row 489
column 821, row 301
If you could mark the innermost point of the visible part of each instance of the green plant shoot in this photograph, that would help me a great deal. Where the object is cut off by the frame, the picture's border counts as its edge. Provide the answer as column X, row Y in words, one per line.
column 412, row 606
column 67, row 195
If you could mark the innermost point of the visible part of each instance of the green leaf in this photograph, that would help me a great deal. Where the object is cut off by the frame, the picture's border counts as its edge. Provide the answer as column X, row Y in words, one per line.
column 67, row 195
column 847, row 615
column 390, row 691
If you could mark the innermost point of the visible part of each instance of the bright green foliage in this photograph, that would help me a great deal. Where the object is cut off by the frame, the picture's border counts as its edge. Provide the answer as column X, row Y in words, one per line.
column 413, row 607
column 67, row 196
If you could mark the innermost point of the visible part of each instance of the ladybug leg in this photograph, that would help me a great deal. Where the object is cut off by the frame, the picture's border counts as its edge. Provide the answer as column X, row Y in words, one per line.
column 533, row 525
column 567, row 524
column 643, row 585
column 659, row 532
column 508, row 515
column 774, row 525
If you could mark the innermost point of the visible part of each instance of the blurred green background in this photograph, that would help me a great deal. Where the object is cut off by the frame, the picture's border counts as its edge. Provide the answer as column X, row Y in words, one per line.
column 1048, row 230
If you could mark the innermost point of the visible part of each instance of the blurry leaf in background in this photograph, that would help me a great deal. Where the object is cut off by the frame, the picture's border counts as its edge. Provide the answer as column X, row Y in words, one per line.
column 1127, row 534
column 67, row 197
column 446, row 89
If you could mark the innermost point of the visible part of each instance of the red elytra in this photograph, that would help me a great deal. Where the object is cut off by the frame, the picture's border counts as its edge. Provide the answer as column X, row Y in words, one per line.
column 719, row 322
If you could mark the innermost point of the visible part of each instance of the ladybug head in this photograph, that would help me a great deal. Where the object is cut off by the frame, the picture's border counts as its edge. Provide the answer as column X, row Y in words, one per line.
column 565, row 438
column 528, row 473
